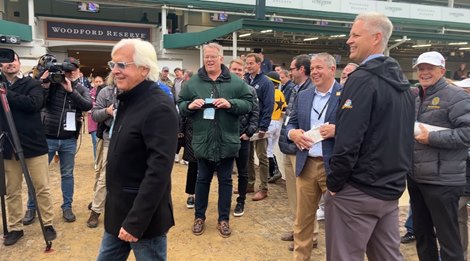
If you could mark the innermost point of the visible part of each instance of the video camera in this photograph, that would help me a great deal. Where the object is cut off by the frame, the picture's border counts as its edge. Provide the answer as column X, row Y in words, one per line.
column 56, row 70
column 6, row 56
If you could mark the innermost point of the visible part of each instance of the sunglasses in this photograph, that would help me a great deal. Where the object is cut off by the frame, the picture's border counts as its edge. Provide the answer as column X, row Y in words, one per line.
column 120, row 65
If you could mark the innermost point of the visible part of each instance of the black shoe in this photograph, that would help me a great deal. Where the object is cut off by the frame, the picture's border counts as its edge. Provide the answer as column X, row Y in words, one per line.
column 408, row 238
column 92, row 221
column 239, row 210
column 190, row 202
column 29, row 217
column 89, row 206
column 50, row 233
column 274, row 178
column 68, row 215
column 13, row 237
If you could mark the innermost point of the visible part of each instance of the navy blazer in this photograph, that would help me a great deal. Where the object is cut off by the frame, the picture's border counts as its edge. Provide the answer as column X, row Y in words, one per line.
column 300, row 119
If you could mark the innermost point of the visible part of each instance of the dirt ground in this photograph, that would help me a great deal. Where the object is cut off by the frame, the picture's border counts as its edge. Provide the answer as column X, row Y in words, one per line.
column 255, row 236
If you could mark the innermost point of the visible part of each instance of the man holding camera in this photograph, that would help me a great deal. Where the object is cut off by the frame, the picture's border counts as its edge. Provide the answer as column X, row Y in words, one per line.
column 66, row 99
column 25, row 97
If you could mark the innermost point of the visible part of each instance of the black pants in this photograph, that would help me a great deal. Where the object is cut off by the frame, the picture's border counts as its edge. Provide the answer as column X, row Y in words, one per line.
column 191, row 177
column 435, row 211
column 242, row 166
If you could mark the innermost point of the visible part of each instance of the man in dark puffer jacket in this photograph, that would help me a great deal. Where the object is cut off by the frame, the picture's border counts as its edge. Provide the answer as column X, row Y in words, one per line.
column 439, row 161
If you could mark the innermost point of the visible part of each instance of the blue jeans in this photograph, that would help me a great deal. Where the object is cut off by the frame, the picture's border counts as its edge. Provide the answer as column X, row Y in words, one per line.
column 206, row 171
column 66, row 150
column 93, row 141
column 113, row 248
column 409, row 221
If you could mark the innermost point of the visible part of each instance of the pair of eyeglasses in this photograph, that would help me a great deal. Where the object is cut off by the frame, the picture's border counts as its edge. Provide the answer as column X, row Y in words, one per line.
column 120, row 65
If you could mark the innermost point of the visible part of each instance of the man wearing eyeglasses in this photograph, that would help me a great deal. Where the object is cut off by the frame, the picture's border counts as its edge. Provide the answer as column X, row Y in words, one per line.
column 138, row 208
column 214, row 99
column 62, row 117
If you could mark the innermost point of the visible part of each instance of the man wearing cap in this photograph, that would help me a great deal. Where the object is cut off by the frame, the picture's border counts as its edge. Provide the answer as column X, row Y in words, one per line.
column 439, row 161
column 178, row 83
column 164, row 77
column 62, row 117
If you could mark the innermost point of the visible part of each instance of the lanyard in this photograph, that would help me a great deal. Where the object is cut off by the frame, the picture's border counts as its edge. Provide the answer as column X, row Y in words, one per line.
column 322, row 110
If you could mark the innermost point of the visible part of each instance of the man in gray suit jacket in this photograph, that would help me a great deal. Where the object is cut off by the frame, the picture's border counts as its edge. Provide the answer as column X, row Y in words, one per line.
column 313, row 154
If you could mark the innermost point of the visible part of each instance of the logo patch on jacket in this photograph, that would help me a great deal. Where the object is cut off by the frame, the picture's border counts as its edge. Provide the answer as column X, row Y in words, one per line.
column 347, row 104
column 435, row 103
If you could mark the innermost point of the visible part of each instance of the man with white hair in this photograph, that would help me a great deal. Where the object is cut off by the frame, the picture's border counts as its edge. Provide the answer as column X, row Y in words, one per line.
column 372, row 152
column 439, row 161
column 138, row 210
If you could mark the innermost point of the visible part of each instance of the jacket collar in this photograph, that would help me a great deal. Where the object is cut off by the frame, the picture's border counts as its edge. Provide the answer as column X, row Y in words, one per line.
column 135, row 92
column 223, row 77
column 439, row 85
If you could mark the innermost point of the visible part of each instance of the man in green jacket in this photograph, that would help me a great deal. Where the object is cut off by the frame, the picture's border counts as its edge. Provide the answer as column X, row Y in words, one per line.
column 214, row 99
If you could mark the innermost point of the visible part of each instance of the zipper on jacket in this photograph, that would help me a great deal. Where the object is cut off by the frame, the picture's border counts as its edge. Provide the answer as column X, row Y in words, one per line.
column 61, row 116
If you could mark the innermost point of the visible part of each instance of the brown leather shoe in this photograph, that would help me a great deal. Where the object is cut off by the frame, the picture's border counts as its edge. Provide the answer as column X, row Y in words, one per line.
column 198, row 227
column 92, row 221
column 224, row 228
column 291, row 245
column 260, row 195
column 289, row 236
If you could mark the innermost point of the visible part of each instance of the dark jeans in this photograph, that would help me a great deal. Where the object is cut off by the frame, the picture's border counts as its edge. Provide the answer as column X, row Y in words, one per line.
column 224, row 175
column 191, row 177
column 435, row 215
column 113, row 248
column 242, row 166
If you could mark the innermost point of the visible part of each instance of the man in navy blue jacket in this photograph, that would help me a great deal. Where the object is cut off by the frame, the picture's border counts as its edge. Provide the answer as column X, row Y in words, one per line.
column 265, row 91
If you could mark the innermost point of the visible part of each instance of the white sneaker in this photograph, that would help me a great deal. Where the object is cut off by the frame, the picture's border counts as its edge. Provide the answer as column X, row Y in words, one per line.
column 320, row 214
column 177, row 158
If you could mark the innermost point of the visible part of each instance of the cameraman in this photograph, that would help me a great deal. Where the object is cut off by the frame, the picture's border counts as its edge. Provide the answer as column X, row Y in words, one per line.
column 62, row 117
column 25, row 97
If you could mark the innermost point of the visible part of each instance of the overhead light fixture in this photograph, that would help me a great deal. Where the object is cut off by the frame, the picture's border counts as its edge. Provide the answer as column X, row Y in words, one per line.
column 266, row 31
column 464, row 48
column 244, row 35
column 338, row 36
column 458, row 43
column 421, row 45
column 310, row 39
column 402, row 39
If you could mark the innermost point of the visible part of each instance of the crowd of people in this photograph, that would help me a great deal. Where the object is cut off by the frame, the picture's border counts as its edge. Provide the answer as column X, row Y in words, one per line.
column 349, row 147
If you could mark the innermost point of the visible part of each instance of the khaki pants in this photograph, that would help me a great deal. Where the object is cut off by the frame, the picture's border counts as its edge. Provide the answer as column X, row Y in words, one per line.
column 260, row 146
column 311, row 184
column 289, row 172
column 38, row 170
column 99, row 192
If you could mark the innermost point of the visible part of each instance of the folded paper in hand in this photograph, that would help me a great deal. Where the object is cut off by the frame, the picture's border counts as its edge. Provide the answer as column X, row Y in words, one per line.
column 314, row 133
column 429, row 127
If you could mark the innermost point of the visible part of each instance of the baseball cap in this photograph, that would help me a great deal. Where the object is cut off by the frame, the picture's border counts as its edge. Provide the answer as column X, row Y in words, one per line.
column 165, row 68
column 433, row 58
column 177, row 69
column 274, row 77
column 72, row 60
column 463, row 83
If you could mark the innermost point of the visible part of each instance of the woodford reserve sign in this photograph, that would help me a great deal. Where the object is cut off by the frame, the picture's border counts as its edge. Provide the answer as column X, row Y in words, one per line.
column 94, row 32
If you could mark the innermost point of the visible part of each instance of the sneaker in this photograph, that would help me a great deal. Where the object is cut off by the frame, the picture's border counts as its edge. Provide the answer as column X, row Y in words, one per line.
column 198, row 227
column 320, row 214
column 50, row 233
column 183, row 162
column 190, row 202
column 407, row 238
column 224, row 228
column 13, row 237
column 68, row 215
column 29, row 217
column 92, row 221
column 239, row 210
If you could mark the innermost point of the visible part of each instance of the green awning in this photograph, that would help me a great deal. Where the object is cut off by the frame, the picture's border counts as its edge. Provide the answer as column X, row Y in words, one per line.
column 22, row 30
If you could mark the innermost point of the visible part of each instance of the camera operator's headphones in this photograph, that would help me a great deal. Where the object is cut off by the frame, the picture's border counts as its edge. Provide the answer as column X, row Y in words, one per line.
column 42, row 62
